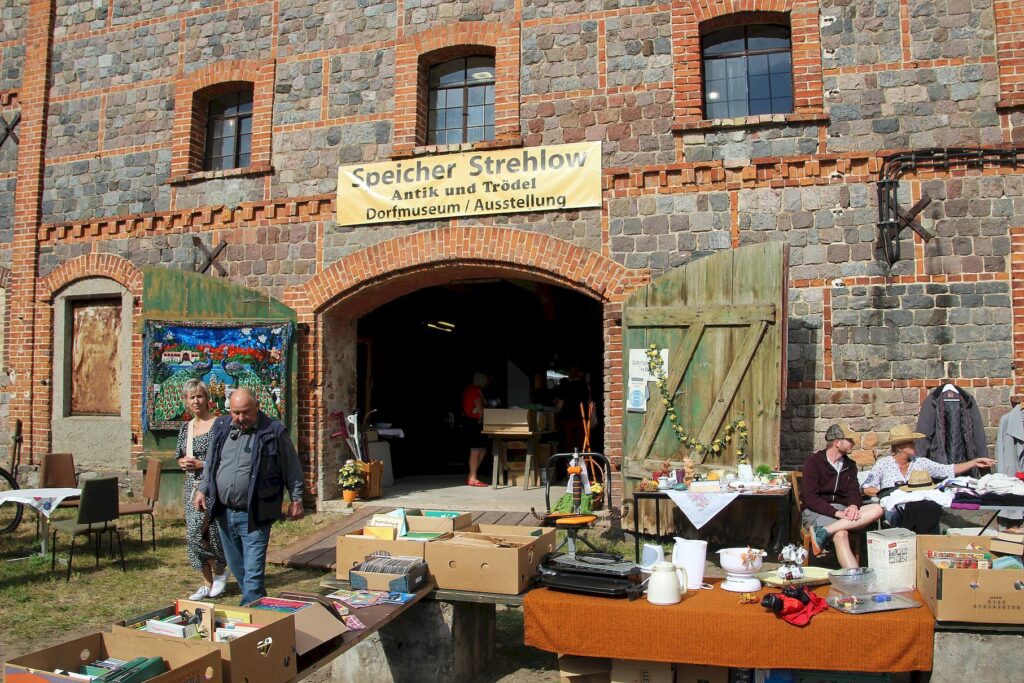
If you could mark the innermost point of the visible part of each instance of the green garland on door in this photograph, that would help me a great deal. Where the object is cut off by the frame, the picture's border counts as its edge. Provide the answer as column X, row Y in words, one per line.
column 734, row 431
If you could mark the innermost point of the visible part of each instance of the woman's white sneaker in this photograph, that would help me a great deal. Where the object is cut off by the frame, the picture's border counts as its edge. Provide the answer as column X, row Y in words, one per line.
column 220, row 582
column 202, row 593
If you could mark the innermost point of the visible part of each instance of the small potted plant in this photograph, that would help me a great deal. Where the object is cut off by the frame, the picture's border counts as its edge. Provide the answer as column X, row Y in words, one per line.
column 352, row 477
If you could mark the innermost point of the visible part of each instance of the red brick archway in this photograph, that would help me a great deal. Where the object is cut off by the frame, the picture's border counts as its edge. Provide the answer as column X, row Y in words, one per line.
column 107, row 266
column 372, row 276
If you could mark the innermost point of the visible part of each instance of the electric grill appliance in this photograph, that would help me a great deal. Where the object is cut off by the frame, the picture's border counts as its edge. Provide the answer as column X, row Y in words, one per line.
column 568, row 568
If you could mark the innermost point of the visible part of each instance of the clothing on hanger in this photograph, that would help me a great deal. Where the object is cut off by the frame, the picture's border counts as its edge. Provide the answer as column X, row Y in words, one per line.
column 952, row 425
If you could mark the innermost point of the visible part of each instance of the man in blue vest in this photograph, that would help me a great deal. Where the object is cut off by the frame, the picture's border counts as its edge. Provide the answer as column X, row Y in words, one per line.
column 250, row 462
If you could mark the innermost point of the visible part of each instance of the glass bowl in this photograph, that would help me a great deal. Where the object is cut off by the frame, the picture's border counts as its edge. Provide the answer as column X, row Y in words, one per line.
column 853, row 580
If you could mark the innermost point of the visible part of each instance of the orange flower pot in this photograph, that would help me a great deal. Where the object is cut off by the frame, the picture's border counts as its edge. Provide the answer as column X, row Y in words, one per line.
column 349, row 496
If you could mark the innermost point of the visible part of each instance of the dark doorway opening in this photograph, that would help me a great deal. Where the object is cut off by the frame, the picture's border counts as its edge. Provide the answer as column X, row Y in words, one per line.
column 417, row 354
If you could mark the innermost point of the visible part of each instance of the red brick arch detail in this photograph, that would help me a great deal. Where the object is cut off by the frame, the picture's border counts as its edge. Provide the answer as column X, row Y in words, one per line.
column 111, row 266
column 193, row 92
column 416, row 53
column 689, row 15
column 547, row 257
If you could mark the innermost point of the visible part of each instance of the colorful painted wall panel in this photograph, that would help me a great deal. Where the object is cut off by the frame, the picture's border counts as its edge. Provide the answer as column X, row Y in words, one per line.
column 225, row 356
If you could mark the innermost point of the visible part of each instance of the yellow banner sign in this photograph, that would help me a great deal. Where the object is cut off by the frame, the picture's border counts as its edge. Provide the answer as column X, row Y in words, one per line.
column 548, row 178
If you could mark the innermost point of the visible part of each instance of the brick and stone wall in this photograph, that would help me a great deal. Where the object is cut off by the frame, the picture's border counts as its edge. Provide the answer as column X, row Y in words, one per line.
column 337, row 83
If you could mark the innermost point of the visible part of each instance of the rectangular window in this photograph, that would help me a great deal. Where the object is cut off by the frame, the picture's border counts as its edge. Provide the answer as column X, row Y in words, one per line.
column 95, row 357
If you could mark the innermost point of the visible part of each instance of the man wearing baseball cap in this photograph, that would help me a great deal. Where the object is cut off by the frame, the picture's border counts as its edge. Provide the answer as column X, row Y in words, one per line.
column 831, row 496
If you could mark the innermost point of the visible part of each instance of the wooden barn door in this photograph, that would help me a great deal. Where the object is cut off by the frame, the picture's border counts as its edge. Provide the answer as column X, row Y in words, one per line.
column 723, row 320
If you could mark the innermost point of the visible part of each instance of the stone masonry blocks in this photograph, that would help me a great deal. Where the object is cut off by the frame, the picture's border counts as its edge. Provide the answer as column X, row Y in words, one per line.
column 362, row 83
column 919, row 331
column 298, row 92
column 107, row 186
column 73, row 127
column 639, row 49
column 306, row 26
column 914, row 108
column 421, row 15
column 308, row 160
column 560, row 58
column 945, row 29
column 143, row 116
column 144, row 53
column 860, row 33
column 242, row 33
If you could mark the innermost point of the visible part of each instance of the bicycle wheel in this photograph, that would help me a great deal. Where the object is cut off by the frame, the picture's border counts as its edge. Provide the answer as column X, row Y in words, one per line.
column 10, row 513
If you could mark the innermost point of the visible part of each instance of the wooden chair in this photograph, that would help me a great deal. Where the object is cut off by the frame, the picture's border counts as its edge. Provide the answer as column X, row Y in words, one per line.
column 795, row 480
column 97, row 514
column 151, row 493
column 57, row 471
column 805, row 536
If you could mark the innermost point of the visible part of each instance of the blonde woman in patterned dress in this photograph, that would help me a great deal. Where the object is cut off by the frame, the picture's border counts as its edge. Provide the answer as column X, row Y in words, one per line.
column 207, row 558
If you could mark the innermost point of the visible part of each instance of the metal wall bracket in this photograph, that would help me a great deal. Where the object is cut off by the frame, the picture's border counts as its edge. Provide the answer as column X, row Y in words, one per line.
column 892, row 218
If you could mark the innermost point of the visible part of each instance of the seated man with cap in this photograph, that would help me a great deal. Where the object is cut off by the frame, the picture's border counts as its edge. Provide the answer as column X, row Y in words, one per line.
column 898, row 469
column 831, row 496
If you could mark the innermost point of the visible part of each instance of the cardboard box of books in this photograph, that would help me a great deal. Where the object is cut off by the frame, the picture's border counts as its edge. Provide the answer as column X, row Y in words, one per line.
column 438, row 520
column 545, row 533
column 956, row 588
column 254, row 644
column 487, row 563
column 393, row 533
column 172, row 661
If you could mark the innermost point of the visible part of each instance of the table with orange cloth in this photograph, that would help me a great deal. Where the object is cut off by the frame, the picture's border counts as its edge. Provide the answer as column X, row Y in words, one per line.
column 710, row 627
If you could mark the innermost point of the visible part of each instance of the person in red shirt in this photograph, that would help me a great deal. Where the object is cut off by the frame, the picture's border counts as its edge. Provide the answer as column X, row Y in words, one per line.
column 472, row 424
column 831, row 496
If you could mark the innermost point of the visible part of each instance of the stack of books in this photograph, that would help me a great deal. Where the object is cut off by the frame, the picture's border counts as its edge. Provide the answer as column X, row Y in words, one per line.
column 1008, row 543
column 112, row 670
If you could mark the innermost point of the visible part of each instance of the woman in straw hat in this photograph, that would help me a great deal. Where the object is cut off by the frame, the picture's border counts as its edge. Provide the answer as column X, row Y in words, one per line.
column 895, row 470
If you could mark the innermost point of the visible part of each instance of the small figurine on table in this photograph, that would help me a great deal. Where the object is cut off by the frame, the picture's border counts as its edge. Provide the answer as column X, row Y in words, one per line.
column 793, row 558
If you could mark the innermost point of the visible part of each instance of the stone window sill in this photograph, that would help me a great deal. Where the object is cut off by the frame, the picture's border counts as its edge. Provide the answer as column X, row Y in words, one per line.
column 406, row 152
column 248, row 171
column 710, row 125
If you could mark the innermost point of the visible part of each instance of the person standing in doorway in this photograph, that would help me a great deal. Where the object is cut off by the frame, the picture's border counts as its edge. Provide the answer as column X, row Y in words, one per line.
column 251, row 461
column 204, row 549
column 472, row 423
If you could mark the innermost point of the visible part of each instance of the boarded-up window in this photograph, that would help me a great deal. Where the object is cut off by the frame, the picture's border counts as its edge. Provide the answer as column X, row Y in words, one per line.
column 95, row 349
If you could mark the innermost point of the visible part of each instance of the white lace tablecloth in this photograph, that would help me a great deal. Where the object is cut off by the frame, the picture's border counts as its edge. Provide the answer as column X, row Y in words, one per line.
column 43, row 500
column 700, row 508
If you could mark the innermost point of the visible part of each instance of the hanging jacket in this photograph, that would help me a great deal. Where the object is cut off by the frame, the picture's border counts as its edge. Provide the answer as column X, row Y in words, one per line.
column 1010, row 443
column 965, row 442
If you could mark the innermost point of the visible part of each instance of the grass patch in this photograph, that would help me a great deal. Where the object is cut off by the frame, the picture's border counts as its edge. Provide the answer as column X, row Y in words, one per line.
column 41, row 609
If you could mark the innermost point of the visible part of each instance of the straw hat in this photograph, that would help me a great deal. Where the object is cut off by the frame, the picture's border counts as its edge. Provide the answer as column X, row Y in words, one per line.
column 919, row 480
column 901, row 434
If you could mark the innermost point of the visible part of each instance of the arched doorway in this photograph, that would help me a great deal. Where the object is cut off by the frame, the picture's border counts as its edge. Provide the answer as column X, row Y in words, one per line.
column 336, row 300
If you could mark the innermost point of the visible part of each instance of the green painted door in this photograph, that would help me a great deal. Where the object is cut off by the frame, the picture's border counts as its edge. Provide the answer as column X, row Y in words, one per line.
column 723, row 320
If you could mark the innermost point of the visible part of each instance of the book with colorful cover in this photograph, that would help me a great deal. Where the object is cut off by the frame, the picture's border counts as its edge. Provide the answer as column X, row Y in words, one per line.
column 444, row 514
column 278, row 604
column 395, row 598
column 422, row 535
column 359, row 598
column 353, row 623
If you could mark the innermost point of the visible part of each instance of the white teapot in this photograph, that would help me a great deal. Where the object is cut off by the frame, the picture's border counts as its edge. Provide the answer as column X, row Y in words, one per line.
column 667, row 584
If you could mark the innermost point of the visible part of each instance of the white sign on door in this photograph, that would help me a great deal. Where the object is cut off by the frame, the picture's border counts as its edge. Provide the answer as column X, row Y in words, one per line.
column 638, row 367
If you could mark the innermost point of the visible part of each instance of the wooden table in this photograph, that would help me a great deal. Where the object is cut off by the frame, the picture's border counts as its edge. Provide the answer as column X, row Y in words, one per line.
column 711, row 627
column 500, row 448
column 780, row 530
column 375, row 618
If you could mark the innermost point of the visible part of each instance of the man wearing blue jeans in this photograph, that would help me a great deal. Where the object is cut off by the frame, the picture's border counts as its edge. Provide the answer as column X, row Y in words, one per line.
column 249, row 464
